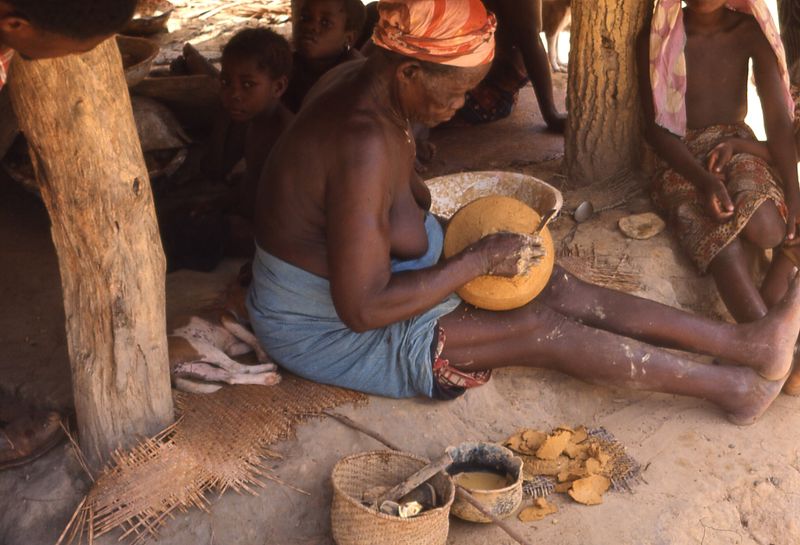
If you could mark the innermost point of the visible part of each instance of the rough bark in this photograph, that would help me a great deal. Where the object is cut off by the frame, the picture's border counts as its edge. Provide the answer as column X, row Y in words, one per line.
column 604, row 130
column 76, row 114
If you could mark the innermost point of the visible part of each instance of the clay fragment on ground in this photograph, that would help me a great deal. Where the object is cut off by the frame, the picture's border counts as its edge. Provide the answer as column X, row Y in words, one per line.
column 596, row 451
column 540, row 509
column 554, row 445
column 575, row 470
column 642, row 226
column 576, row 451
column 589, row 490
column 525, row 441
column 593, row 466
column 534, row 439
column 563, row 488
column 515, row 443
column 534, row 466
column 579, row 436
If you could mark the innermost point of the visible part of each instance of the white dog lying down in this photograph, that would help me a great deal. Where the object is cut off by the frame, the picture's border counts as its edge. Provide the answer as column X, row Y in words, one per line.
column 201, row 347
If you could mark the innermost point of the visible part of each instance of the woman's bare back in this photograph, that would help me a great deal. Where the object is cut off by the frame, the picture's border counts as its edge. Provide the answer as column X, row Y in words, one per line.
column 291, row 223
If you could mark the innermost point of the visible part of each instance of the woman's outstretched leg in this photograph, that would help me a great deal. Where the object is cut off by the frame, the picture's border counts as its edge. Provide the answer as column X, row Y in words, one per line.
column 535, row 336
column 763, row 345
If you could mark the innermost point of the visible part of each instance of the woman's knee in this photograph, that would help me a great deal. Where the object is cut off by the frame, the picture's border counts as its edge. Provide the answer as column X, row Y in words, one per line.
column 766, row 228
column 561, row 284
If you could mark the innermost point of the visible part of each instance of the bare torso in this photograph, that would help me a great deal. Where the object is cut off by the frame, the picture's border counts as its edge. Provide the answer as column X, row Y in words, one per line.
column 717, row 69
column 301, row 173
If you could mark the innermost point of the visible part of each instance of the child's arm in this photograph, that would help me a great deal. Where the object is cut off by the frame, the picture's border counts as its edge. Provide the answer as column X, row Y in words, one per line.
column 718, row 158
column 673, row 150
column 780, row 132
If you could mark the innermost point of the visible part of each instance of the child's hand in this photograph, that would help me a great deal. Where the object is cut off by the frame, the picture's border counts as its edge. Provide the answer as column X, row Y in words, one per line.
column 717, row 159
column 717, row 200
column 792, row 220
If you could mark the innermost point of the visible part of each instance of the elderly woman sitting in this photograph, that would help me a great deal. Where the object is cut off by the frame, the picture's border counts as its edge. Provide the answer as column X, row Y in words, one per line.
column 349, row 288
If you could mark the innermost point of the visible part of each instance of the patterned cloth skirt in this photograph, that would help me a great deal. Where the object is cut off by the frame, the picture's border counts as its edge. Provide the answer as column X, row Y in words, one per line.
column 750, row 182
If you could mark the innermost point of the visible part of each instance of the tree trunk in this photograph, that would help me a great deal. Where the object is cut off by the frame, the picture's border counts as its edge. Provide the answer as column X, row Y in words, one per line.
column 604, row 130
column 76, row 113
column 789, row 15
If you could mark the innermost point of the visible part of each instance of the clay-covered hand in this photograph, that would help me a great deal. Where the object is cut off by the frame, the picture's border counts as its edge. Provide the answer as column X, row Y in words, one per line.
column 509, row 254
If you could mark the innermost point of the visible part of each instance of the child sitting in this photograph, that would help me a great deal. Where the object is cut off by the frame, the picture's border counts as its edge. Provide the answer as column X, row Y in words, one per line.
column 694, row 88
column 693, row 76
column 324, row 35
column 256, row 64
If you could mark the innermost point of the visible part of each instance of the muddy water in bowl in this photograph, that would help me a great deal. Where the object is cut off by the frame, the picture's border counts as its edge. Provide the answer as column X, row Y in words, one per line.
column 480, row 478
column 492, row 474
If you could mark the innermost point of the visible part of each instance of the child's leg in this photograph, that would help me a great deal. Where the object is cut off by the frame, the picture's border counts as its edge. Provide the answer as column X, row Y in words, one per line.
column 732, row 275
column 731, row 267
column 770, row 227
column 784, row 260
column 766, row 230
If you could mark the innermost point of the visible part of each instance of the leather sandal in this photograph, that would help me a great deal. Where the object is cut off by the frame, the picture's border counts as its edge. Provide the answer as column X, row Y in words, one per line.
column 26, row 438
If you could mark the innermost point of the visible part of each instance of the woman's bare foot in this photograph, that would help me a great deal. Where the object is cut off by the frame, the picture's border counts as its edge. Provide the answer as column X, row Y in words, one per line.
column 768, row 344
column 751, row 398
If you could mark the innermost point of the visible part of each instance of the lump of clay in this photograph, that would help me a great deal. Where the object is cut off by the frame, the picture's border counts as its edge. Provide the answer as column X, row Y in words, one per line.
column 589, row 490
column 486, row 216
column 554, row 445
column 540, row 509
column 641, row 226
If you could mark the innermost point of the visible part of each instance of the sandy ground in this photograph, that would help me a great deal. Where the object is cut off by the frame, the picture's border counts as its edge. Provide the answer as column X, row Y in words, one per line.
column 705, row 482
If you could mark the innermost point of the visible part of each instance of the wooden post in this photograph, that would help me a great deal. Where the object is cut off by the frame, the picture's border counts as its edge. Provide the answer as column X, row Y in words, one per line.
column 604, row 130
column 76, row 113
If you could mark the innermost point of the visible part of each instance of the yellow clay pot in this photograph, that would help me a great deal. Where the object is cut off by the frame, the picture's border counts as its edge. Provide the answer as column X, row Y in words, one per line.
column 493, row 214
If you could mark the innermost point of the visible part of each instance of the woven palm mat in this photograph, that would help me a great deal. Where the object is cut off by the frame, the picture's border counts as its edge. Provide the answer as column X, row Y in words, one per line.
column 218, row 442
column 613, row 272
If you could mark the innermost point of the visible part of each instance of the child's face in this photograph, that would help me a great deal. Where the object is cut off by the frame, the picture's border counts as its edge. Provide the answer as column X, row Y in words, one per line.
column 321, row 30
column 248, row 90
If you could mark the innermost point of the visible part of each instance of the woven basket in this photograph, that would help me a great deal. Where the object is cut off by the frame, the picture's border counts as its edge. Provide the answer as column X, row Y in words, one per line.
column 354, row 524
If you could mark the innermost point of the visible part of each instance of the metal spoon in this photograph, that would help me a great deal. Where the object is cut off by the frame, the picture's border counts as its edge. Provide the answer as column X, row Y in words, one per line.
column 583, row 212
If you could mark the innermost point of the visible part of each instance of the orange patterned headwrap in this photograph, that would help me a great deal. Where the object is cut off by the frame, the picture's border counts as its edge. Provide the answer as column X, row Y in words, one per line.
column 452, row 32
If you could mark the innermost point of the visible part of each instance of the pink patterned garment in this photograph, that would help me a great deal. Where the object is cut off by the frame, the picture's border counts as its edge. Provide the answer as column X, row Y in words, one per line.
column 5, row 60
column 668, row 64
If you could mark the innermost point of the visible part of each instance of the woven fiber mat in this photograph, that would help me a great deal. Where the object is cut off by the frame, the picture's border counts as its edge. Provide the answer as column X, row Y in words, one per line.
column 219, row 442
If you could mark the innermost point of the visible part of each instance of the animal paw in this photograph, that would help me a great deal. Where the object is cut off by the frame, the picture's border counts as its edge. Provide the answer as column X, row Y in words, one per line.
column 270, row 379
